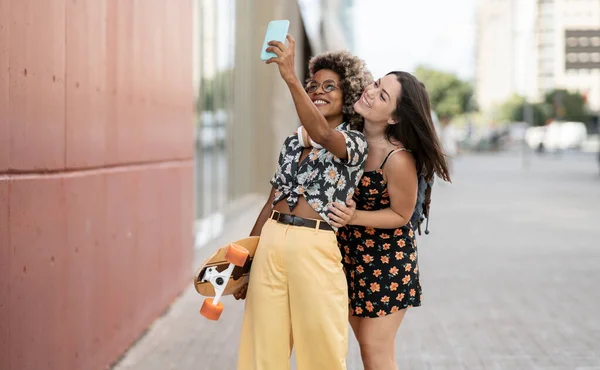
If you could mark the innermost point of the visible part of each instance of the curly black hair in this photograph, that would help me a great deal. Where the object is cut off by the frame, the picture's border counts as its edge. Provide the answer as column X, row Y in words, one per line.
column 354, row 77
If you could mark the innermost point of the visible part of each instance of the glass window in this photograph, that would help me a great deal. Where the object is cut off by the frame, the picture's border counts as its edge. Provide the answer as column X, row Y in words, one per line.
column 214, row 103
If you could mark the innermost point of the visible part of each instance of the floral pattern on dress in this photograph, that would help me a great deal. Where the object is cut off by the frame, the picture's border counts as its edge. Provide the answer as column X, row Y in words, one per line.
column 381, row 265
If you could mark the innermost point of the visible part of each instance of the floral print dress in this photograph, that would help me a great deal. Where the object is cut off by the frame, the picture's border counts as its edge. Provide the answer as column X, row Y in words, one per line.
column 380, row 264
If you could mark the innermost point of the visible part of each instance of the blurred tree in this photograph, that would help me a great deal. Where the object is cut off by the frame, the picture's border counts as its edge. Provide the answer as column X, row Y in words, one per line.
column 215, row 92
column 568, row 106
column 557, row 104
column 206, row 96
column 513, row 110
column 449, row 95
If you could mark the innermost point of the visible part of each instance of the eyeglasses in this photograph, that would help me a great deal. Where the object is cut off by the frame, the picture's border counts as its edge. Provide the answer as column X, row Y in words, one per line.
column 328, row 86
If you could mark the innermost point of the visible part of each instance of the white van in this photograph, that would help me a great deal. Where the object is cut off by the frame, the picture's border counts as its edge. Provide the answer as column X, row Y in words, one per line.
column 557, row 136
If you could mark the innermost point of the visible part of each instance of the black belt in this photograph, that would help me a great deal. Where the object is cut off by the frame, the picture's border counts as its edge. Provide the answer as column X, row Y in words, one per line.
column 284, row 218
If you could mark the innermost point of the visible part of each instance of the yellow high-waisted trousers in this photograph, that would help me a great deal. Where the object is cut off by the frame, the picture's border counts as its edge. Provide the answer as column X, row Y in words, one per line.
column 297, row 297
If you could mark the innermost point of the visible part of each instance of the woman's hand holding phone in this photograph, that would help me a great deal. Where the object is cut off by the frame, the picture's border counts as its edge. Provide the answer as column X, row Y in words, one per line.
column 285, row 57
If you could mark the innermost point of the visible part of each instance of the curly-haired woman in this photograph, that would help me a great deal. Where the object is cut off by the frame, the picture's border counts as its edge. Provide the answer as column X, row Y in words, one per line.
column 297, row 294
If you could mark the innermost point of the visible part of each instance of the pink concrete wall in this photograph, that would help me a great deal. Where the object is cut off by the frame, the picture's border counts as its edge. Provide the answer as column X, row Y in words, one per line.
column 96, row 175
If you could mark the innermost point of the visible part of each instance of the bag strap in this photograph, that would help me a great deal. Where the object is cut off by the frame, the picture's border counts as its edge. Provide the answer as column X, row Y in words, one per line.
column 426, row 206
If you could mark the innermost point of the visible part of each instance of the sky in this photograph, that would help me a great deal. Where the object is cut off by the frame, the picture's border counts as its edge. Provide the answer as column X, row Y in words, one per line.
column 402, row 34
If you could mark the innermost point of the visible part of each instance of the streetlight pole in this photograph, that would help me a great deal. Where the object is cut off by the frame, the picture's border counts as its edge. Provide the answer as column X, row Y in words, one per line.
column 528, row 118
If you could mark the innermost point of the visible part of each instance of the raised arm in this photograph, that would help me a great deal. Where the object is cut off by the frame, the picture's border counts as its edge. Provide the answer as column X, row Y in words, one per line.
column 311, row 118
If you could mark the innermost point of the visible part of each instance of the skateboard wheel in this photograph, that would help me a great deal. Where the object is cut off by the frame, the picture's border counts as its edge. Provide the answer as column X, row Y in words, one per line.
column 211, row 311
column 236, row 254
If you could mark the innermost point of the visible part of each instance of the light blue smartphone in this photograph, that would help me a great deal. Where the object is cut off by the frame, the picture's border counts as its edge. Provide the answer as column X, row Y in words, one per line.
column 276, row 31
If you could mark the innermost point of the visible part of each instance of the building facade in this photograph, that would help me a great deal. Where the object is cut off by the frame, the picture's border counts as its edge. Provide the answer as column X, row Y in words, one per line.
column 555, row 17
column 505, row 51
column 521, row 50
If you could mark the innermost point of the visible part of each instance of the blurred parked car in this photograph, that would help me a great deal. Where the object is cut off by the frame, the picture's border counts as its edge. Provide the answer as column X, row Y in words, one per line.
column 556, row 136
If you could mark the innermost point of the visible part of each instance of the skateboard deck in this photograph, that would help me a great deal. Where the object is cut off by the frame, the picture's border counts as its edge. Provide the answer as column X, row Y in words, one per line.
column 215, row 270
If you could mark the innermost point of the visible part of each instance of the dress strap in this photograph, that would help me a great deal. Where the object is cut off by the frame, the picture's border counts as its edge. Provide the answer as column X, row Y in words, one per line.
column 390, row 153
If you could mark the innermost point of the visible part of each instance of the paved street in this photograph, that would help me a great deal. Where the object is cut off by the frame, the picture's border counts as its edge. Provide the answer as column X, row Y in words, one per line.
column 510, row 276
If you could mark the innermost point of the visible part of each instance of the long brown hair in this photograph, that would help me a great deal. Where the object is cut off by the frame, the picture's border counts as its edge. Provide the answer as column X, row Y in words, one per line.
column 414, row 128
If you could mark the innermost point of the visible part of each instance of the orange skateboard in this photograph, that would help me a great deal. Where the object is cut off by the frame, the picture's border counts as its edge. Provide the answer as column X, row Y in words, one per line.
column 224, row 273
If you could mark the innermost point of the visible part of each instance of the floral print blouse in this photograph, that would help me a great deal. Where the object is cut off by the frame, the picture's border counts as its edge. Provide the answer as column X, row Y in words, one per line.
column 321, row 178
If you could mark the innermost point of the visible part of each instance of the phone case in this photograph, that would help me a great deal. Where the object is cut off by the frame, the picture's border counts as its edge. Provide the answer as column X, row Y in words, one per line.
column 276, row 31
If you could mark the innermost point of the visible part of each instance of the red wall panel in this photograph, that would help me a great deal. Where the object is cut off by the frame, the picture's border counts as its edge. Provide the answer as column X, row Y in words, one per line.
column 4, row 123
column 37, row 84
column 38, row 274
column 185, row 226
column 150, row 225
column 89, row 269
column 128, row 127
column 5, row 259
column 86, row 84
column 96, row 175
